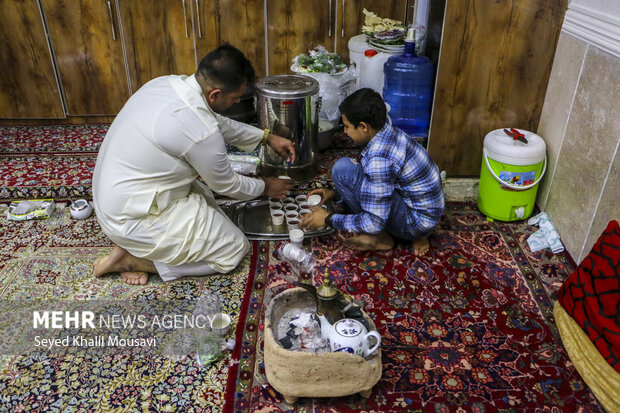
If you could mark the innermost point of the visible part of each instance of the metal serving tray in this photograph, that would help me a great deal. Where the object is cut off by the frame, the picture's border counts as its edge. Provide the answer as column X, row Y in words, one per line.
column 254, row 219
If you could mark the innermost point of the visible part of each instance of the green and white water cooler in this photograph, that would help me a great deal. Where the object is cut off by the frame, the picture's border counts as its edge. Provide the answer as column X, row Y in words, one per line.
column 509, row 175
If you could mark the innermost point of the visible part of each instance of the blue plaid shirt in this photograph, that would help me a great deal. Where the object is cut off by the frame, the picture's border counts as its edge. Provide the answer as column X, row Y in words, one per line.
column 393, row 161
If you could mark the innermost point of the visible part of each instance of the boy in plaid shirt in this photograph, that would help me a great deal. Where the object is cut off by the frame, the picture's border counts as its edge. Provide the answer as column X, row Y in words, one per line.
column 394, row 192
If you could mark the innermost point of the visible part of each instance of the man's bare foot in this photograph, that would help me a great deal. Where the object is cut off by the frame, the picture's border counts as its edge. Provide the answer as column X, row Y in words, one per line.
column 106, row 264
column 135, row 278
column 420, row 246
column 367, row 242
column 119, row 260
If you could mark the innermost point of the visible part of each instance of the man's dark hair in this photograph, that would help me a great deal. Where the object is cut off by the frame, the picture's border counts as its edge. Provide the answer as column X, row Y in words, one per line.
column 364, row 105
column 226, row 68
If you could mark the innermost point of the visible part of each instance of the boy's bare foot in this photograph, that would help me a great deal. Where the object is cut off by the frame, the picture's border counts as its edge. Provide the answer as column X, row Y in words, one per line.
column 135, row 278
column 367, row 242
column 119, row 260
column 420, row 246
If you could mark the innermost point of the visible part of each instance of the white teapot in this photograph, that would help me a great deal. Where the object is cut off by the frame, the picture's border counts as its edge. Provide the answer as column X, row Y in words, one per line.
column 349, row 335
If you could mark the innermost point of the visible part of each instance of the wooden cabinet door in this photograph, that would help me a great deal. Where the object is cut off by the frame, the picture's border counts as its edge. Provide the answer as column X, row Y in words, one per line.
column 494, row 65
column 242, row 24
column 351, row 18
column 87, row 43
column 296, row 26
column 206, row 27
column 158, row 37
column 28, row 87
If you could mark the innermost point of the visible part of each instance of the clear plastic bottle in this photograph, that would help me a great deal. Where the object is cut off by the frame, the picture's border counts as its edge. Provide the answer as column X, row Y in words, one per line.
column 207, row 305
column 408, row 88
column 211, row 348
column 298, row 257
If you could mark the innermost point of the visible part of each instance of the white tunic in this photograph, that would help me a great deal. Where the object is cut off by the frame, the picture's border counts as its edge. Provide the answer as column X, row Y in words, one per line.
column 145, row 191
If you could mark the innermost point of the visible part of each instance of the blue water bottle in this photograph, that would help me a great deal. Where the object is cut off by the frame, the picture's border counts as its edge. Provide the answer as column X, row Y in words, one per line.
column 408, row 89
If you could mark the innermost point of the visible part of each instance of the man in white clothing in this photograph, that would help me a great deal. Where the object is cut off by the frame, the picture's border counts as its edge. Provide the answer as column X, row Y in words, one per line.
column 145, row 192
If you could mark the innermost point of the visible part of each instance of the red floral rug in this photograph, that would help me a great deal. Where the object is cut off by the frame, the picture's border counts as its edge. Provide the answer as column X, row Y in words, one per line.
column 478, row 305
column 58, row 161
column 48, row 161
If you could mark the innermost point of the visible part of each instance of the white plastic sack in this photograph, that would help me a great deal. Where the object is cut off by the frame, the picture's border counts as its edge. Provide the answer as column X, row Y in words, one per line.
column 334, row 85
column 333, row 89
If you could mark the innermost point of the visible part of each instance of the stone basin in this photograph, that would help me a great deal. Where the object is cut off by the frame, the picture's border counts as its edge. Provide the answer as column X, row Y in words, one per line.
column 305, row 374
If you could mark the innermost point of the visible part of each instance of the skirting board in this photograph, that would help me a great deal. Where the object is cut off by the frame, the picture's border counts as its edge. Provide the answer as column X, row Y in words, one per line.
column 461, row 189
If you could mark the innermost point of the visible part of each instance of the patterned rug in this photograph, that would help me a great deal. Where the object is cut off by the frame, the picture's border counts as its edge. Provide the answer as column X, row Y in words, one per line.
column 58, row 161
column 48, row 161
column 52, row 260
column 479, row 305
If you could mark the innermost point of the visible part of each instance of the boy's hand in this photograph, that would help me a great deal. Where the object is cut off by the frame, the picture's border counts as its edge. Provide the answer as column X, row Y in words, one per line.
column 315, row 220
column 326, row 194
column 277, row 188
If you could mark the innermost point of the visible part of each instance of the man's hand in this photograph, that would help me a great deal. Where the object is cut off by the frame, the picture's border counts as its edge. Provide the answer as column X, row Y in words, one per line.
column 326, row 194
column 315, row 220
column 277, row 188
column 284, row 147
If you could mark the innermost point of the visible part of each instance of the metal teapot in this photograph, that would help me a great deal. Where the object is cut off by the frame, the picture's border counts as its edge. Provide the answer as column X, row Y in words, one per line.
column 348, row 335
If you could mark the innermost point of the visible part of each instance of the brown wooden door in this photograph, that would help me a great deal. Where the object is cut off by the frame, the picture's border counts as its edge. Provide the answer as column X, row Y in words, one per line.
column 28, row 87
column 206, row 26
column 242, row 24
column 87, row 43
column 494, row 66
column 296, row 26
column 159, row 38
column 349, row 23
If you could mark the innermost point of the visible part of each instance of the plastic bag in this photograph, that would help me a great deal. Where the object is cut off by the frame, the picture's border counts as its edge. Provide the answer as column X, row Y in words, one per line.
column 333, row 87
column 33, row 209
column 244, row 164
column 211, row 348
column 298, row 257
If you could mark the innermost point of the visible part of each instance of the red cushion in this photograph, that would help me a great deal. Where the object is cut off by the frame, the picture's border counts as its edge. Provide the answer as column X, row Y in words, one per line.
column 591, row 295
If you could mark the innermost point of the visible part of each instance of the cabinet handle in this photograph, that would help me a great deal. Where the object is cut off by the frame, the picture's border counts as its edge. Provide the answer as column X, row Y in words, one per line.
column 342, row 34
column 111, row 20
column 185, row 18
column 329, row 31
column 198, row 17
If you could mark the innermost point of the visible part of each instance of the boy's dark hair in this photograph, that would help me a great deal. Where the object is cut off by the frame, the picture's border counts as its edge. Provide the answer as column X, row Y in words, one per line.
column 226, row 68
column 364, row 105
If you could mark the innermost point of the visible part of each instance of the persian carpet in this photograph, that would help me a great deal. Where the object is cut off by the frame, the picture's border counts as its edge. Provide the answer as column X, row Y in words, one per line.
column 53, row 260
column 479, row 305
column 48, row 161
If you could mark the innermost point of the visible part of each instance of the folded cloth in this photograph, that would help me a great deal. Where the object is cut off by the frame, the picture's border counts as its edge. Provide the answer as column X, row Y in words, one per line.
column 546, row 236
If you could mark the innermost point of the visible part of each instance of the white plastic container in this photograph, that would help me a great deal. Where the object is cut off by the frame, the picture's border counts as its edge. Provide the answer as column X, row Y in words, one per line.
column 296, row 236
column 357, row 46
column 371, row 72
column 277, row 217
column 314, row 200
column 369, row 68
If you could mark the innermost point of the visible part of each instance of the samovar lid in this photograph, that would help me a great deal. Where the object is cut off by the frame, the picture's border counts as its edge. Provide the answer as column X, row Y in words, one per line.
column 287, row 86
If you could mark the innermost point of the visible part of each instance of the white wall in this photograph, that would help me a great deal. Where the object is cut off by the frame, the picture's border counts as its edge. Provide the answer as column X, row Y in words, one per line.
column 580, row 123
